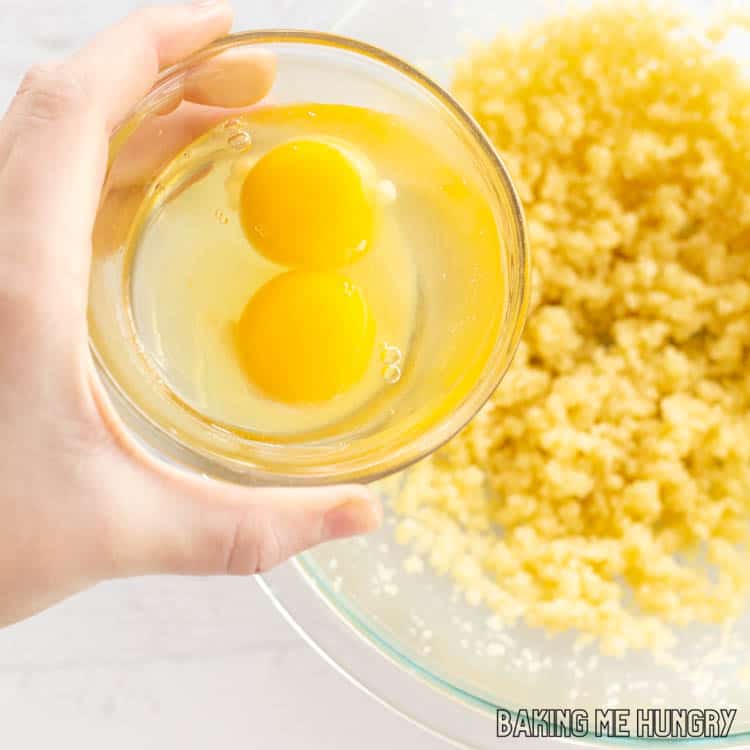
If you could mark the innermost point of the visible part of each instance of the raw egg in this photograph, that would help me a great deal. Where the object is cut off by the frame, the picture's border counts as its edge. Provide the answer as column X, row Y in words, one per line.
column 306, row 336
column 309, row 203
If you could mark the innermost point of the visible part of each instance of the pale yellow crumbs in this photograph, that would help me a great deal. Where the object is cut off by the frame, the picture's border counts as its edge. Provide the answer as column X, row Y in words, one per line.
column 606, row 485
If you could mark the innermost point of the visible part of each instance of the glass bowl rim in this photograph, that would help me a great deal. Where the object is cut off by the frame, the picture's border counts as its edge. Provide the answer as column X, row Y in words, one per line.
column 369, row 465
column 380, row 668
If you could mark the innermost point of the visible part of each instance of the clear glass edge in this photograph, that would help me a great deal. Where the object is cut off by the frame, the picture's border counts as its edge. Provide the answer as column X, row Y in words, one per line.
column 381, row 670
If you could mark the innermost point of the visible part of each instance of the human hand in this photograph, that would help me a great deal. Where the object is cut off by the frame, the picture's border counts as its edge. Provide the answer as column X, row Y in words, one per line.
column 79, row 501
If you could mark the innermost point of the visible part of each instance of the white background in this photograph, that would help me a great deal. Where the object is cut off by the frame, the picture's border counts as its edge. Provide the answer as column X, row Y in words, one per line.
column 167, row 662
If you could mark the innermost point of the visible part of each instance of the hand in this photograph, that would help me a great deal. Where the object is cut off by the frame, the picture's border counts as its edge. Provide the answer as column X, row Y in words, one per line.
column 79, row 501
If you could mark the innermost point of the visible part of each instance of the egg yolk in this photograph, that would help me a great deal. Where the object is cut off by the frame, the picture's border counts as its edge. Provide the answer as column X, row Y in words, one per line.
column 306, row 336
column 308, row 204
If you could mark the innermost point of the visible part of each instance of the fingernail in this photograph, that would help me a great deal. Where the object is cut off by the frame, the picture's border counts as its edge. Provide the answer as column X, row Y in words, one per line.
column 350, row 518
column 204, row 4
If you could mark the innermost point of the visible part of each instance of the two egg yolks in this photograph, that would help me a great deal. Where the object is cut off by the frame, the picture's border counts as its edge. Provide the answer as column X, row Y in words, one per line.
column 307, row 335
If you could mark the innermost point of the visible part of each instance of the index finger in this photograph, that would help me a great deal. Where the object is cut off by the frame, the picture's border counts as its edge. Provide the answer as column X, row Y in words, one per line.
column 53, row 145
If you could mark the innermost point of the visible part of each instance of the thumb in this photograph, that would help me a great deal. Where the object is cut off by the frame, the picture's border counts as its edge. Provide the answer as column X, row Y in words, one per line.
column 164, row 521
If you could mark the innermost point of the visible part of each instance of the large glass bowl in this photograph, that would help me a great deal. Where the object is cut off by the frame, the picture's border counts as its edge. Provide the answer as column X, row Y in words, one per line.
column 430, row 408
column 410, row 640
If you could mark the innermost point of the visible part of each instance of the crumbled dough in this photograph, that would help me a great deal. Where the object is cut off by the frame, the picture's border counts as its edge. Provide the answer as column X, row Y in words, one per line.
column 606, row 485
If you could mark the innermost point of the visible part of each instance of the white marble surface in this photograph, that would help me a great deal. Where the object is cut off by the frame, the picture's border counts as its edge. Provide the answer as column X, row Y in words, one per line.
column 171, row 662
column 180, row 663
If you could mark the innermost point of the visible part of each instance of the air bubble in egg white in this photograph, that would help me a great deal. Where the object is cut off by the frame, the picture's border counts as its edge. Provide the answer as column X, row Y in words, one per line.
column 392, row 374
column 239, row 140
column 390, row 355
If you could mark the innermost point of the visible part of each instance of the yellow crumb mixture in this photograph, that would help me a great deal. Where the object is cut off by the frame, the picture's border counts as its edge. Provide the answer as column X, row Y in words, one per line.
column 606, row 485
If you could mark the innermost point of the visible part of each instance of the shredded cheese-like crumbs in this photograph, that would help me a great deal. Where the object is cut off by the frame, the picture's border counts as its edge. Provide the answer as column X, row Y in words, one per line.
column 606, row 485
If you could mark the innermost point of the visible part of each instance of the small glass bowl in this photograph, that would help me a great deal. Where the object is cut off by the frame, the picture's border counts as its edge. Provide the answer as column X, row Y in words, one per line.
column 311, row 67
